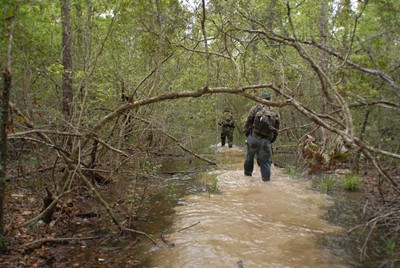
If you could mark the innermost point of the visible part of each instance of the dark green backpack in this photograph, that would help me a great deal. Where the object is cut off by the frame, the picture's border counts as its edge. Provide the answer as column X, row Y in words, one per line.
column 266, row 122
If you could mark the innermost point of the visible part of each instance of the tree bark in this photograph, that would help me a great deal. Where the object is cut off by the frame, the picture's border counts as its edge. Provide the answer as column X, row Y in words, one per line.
column 67, row 94
column 4, row 124
column 5, row 96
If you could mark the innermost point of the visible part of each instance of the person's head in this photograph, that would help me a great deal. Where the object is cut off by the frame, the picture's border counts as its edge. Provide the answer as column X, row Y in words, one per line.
column 266, row 95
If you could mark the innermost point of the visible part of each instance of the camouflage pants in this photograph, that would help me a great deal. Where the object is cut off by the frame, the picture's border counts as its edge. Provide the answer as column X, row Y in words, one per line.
column 227, row 132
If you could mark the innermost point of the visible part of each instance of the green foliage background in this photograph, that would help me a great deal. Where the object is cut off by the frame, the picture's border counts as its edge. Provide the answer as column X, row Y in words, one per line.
column 139, row 49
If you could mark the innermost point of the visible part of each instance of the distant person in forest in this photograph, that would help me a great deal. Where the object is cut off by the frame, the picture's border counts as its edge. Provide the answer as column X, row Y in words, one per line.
column 261, row 130
column 227, row 124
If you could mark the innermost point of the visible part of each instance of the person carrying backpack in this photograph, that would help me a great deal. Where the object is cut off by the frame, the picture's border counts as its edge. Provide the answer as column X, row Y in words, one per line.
column 227, row 124
column 261, row 130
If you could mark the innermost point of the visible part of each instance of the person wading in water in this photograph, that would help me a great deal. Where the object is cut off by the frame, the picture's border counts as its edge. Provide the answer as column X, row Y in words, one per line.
column 227, row 124
column 261, row 130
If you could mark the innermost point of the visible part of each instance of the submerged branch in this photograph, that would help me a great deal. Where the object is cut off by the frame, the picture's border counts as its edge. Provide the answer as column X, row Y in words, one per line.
column 180, row 230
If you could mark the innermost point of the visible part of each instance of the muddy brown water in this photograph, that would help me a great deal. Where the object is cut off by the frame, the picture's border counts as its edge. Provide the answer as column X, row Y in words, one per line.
column 249, row 223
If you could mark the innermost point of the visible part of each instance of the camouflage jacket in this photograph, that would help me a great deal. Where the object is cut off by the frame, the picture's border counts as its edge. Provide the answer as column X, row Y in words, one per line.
column 227, row 120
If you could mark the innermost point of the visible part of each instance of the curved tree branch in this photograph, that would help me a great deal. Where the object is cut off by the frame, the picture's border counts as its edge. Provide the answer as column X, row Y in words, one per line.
column 179, row 143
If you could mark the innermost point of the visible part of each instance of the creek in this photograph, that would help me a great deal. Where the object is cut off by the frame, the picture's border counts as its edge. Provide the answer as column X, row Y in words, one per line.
column 244, row 223
column 250, row 223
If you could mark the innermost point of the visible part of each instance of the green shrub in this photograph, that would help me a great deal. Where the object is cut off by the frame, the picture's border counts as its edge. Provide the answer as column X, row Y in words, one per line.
column 213, row 184
column 351, row 182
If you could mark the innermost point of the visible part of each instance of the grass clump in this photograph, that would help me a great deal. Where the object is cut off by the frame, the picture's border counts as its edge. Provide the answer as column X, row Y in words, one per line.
column 208, row 182
column 351, row 182
column 292, row 171
column 213, row 184
column 327, row 183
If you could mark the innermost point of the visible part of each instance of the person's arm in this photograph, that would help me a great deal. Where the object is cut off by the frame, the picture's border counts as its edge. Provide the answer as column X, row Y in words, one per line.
column 276, row 129
column 220, row 122
column 250, row 120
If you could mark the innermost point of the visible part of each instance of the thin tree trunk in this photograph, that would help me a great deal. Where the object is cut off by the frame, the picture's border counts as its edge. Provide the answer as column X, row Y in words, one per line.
column 271, row 15
column 323, row 30
column 356, row 163
column 203, row 29
column 5, row 98
column 67, row 94
column 161, row 43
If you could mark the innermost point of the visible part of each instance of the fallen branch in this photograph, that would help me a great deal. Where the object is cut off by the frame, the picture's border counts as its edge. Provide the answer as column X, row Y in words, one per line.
column 141, row 233
column 38, row 243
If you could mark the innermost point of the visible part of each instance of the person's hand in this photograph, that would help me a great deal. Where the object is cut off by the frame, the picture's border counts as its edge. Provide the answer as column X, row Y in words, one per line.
column 273, row 138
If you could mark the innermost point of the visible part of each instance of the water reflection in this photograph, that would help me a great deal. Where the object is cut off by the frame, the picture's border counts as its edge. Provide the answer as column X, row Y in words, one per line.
column 249, row 223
